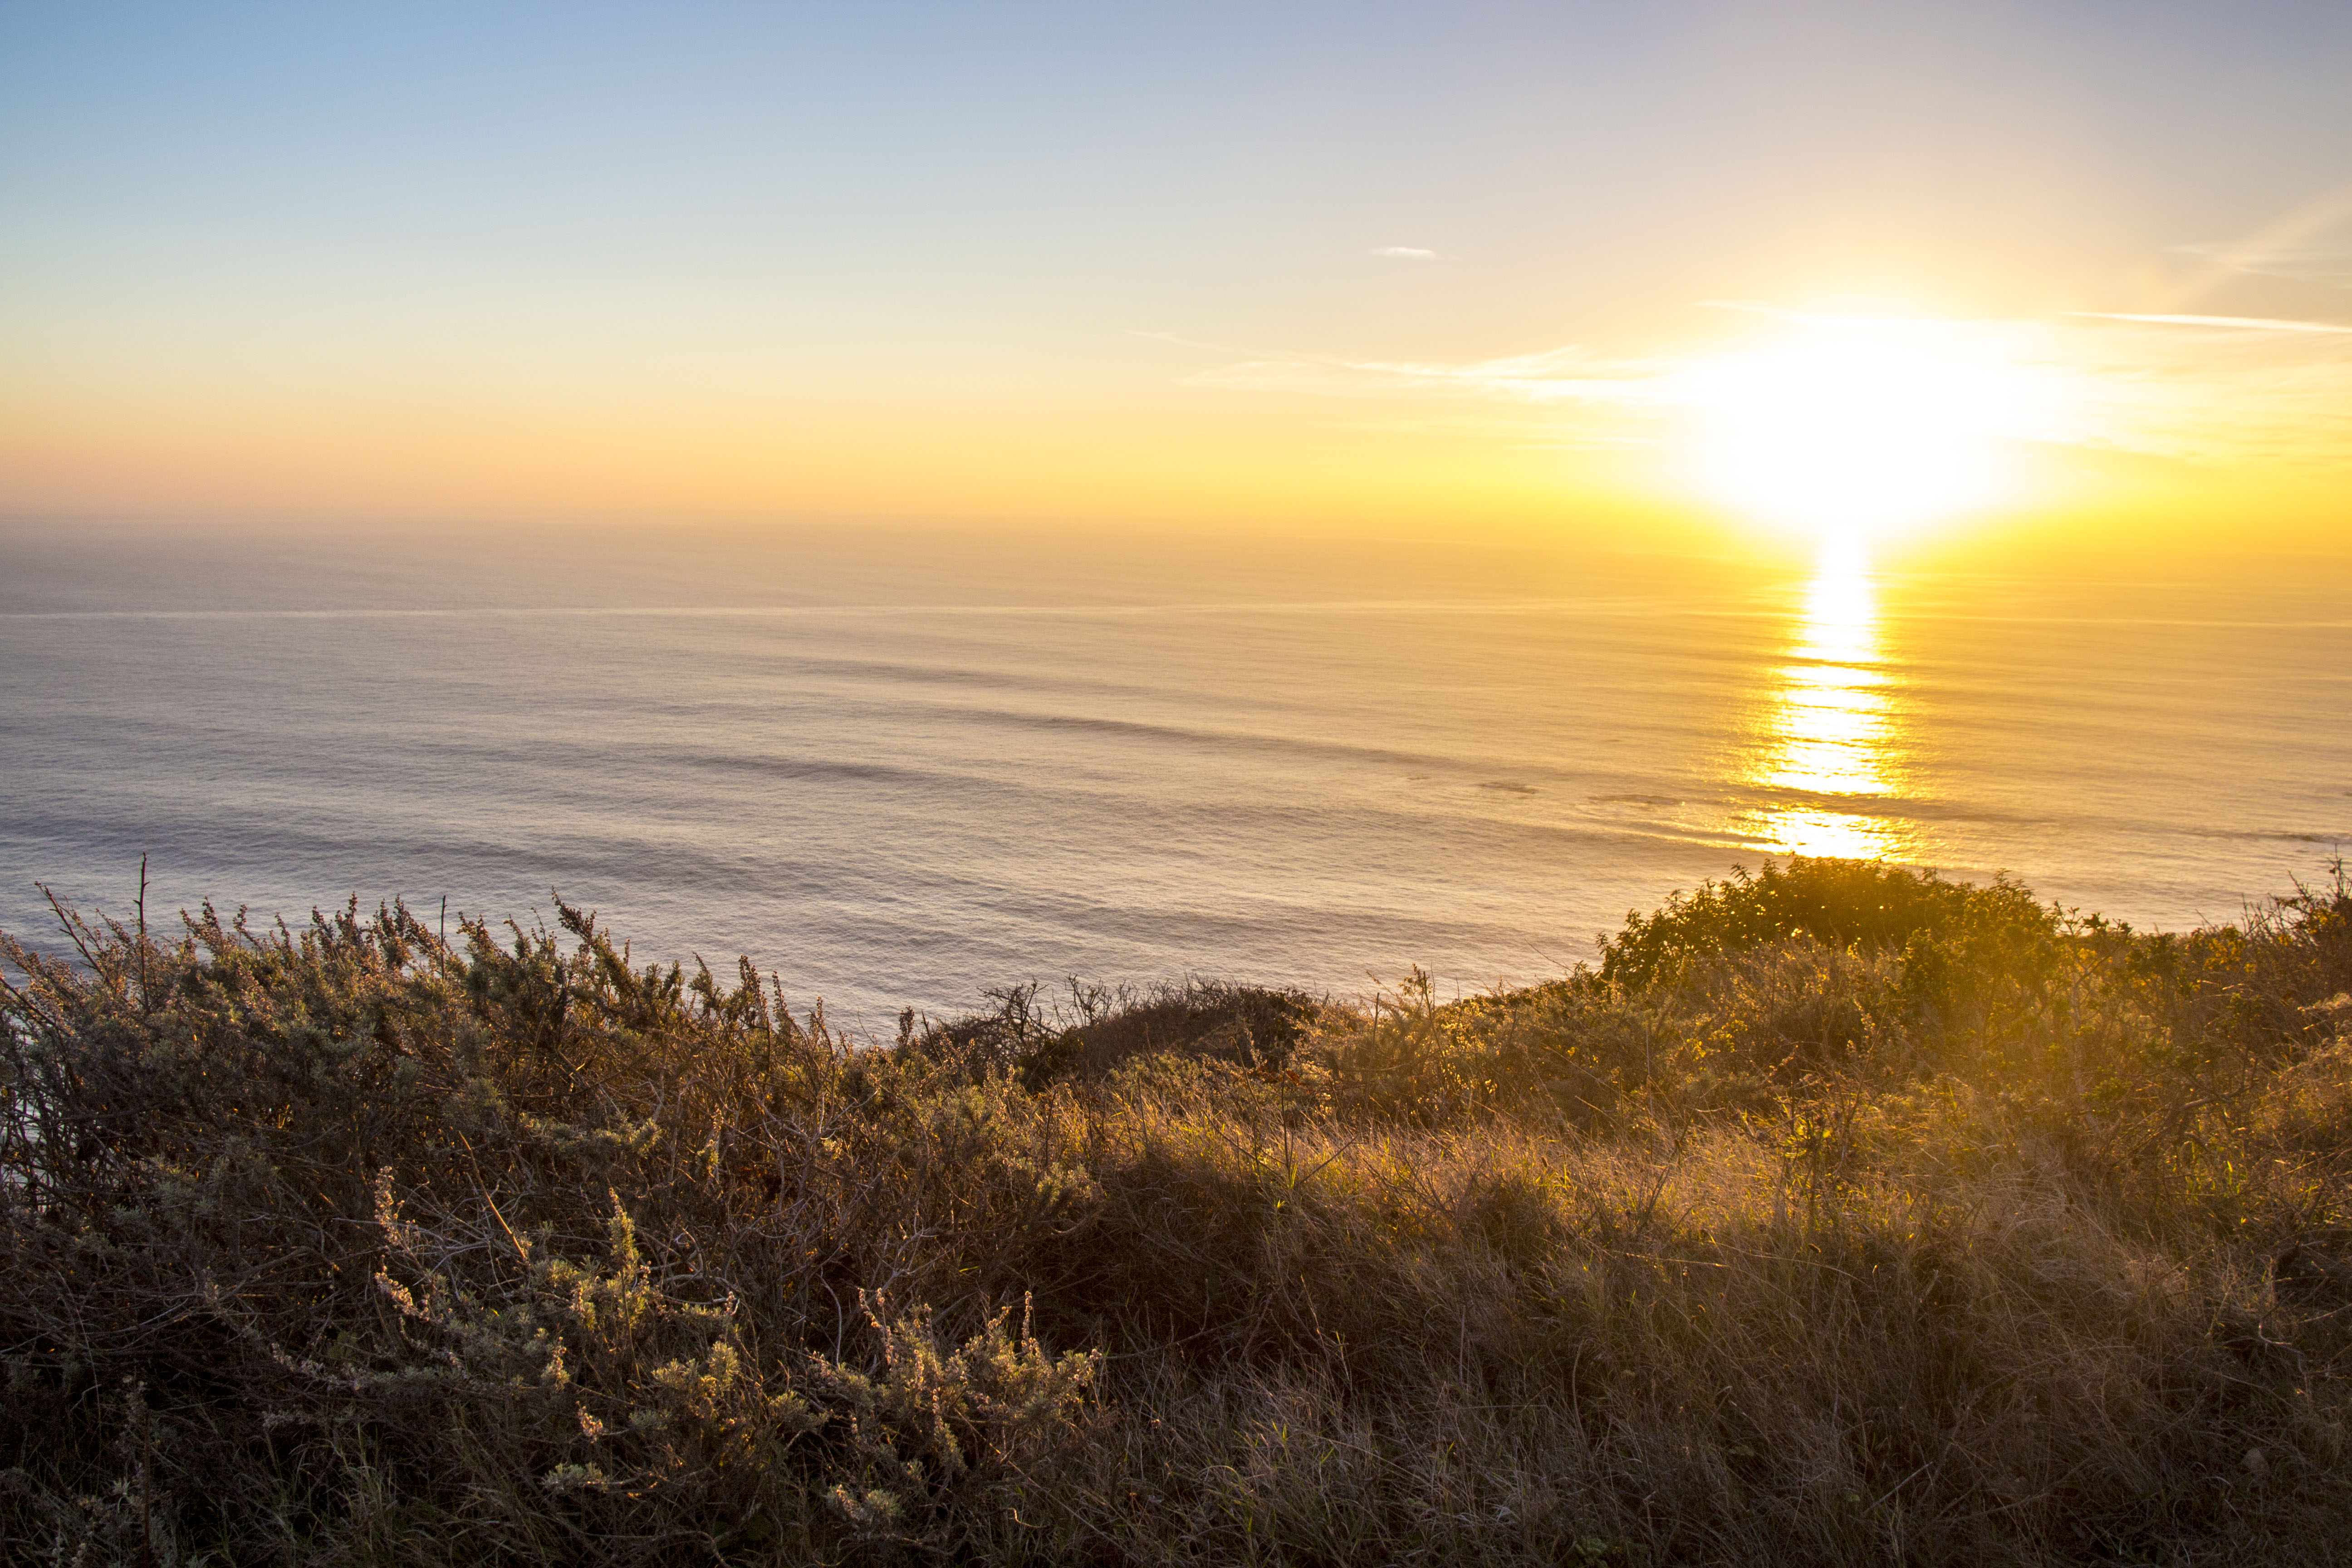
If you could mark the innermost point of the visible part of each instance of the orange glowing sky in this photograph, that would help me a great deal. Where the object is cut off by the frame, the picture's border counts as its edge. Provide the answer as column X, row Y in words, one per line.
column 1878, row 269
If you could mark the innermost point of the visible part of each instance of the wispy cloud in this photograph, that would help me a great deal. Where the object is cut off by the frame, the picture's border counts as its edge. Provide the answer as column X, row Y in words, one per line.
column 2329, row 265
column 2229, row 324
column 1563, row 398
column 2306, row 243
column 2218, row 387
column 2189, row 387
column 1404, row 252
column 1552, row 375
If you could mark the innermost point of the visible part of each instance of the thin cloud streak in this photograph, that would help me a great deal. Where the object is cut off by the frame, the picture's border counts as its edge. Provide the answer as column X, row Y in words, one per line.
column 2234, row 323
column 2281, row 249
column 2197, row 388
column 1567, row 374
column 2328, row 266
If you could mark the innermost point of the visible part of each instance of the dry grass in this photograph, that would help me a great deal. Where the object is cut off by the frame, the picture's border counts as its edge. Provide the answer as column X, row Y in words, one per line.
column 1840, row 1215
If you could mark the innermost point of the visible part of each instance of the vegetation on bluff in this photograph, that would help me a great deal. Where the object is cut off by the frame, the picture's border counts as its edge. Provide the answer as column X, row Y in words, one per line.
column 1838, row 1214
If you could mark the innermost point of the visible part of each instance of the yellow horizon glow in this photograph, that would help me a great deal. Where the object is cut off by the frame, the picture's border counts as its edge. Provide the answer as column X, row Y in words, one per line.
column 1775, row 423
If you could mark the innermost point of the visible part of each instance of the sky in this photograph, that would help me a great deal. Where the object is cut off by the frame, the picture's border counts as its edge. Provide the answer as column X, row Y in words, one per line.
column 1559, row 268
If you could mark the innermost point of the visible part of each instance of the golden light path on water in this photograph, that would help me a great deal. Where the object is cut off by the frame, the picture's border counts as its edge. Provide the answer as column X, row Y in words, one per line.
column 1830, row 735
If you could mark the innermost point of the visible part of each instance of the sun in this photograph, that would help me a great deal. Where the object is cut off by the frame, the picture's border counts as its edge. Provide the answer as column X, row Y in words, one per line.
column 1860, row 428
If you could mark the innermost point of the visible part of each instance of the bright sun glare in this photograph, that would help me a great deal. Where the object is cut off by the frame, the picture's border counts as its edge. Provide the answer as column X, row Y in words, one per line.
column 1860, row 429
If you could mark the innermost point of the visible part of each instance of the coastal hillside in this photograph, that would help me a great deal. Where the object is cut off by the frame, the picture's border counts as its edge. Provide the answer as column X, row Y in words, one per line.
column 1837, row 1214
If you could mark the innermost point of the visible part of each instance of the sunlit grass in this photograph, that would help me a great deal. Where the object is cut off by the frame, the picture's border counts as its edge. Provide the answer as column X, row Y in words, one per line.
column 1839, row 1215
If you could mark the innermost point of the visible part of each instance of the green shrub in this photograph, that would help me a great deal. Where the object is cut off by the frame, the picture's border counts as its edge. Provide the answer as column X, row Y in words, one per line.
column 1838, row 903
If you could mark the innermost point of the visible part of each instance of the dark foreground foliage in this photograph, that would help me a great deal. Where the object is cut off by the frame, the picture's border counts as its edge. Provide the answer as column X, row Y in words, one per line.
column 1841, row 1215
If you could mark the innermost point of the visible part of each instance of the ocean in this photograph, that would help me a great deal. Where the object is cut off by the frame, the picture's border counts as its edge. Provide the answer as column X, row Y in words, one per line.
column 900, row 767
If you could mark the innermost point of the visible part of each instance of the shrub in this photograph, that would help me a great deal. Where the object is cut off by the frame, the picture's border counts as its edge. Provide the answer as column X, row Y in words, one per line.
column 1840, row 1215
column 1839, row 904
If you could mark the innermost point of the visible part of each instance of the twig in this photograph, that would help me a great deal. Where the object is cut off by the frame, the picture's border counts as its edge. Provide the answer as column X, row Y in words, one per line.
column 143, row 1004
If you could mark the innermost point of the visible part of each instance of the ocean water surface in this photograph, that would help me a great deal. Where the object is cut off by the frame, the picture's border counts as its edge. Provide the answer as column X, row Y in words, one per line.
column 897, row 768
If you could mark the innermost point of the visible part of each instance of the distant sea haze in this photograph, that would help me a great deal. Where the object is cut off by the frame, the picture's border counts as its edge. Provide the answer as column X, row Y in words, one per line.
column 898, row 769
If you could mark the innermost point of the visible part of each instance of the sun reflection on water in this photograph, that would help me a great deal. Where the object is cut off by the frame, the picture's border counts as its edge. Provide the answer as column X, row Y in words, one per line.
column 1828, row 739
